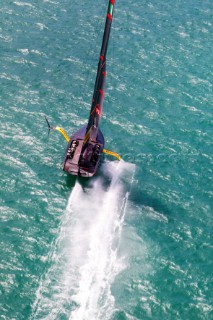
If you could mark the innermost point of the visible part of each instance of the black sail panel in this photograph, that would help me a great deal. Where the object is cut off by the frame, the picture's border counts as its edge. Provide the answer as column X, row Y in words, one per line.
column 99, row 89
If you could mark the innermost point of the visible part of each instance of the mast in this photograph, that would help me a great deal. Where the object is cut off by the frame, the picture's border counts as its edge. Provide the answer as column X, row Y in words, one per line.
column 98, row 95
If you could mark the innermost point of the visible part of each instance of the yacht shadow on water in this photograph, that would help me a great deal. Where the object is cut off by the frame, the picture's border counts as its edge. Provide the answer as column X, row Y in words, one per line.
column 143, row 199
column 71, row 181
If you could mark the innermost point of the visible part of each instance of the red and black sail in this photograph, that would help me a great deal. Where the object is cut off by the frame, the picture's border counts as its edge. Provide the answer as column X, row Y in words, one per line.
column 98, row 95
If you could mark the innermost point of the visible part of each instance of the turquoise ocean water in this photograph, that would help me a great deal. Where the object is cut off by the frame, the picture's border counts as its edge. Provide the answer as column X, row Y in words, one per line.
column 135, row 241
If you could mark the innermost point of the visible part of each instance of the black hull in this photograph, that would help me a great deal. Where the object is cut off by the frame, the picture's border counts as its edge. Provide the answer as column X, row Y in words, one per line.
column 83, row 164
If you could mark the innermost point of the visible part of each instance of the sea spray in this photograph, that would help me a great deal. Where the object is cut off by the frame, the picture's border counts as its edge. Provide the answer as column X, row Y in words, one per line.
column 85, row 260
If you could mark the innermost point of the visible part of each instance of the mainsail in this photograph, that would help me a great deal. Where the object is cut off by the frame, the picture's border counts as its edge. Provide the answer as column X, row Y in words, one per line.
column 98, row 95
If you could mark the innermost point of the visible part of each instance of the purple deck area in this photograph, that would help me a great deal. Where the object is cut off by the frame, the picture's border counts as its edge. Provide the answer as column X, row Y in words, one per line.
column 83, row 164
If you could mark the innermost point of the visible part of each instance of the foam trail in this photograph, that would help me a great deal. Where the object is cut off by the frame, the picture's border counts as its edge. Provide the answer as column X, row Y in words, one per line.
column 84, row 261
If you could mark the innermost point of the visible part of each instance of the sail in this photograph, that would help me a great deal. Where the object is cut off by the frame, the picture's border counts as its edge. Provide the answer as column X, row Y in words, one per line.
column 98, row 95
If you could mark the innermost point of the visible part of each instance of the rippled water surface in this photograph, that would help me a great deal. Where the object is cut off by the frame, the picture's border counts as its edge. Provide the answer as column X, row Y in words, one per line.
column 134, row 242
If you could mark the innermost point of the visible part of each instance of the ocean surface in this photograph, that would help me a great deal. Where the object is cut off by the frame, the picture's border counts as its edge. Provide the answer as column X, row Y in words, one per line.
column 135, row 241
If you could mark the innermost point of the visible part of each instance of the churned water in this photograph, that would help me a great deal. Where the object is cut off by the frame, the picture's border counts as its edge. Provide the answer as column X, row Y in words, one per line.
column 134, row 242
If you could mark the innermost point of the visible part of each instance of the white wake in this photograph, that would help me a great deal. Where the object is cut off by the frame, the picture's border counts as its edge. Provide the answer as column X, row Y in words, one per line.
column 85, row 260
